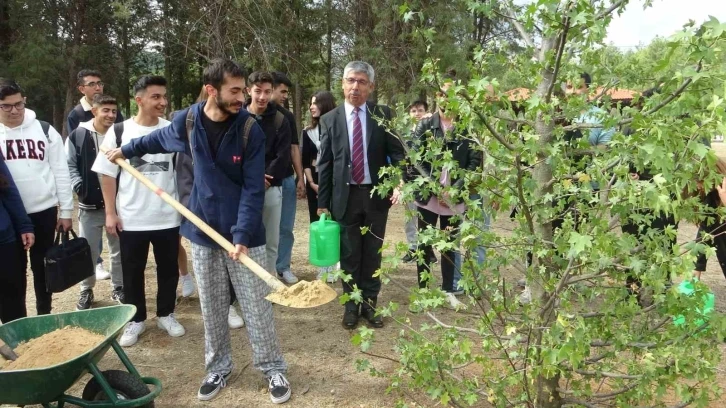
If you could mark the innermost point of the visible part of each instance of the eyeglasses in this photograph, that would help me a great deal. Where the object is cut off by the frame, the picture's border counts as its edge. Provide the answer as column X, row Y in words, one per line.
column 95, row 84
column 9, row 108
column 352, row 81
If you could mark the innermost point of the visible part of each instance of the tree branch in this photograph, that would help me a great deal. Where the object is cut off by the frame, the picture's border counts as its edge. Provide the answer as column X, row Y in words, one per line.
column 610, row 9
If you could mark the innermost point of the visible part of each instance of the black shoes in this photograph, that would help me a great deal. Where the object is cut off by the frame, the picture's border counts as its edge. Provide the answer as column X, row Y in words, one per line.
column 279, row 388
column 213, row 383
column 85, row 300
column 369, row 313
column 350, row 319
column 118, row 295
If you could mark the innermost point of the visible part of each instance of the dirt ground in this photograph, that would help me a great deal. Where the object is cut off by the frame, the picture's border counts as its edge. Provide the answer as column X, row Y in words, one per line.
column 318, row 350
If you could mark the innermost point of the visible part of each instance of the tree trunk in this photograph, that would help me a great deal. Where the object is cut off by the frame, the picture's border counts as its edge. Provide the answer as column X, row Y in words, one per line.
column 547, row 395
column 329, row 62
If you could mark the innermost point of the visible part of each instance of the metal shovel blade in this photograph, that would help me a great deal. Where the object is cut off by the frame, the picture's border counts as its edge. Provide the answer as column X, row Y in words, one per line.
column 7, row 352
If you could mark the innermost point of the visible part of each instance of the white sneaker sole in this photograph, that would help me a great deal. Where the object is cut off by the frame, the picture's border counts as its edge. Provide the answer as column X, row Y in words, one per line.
column 127, row 344
column 236, row 325
column 209, row 397
column 282, row 399
column 161, row 326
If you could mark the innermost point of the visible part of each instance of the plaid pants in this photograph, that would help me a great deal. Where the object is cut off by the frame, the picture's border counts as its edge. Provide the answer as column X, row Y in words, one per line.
column 214, row 269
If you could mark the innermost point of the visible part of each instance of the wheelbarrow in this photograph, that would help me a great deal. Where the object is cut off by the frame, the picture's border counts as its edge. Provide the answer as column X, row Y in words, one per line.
column 47, row 386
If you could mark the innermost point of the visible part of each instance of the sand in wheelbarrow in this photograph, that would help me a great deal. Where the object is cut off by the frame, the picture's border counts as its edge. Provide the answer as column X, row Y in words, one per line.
column 303, row 294
column 52, row 348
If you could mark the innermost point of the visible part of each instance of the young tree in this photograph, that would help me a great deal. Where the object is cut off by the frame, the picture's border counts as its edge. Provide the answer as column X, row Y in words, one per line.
column 585, row 338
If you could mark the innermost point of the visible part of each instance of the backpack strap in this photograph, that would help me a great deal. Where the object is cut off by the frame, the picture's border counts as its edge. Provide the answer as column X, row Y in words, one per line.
column 279, row 119
column 248, row 128
column 46, row 128
column 118, row 130
column 190, row 128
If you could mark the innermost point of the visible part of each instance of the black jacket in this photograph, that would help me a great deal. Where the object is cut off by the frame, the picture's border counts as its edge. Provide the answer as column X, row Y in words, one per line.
column 81, row 153
column 334, row 161
column 294, row 136
column 277, row 144
column 461, row 149
column 77, row 115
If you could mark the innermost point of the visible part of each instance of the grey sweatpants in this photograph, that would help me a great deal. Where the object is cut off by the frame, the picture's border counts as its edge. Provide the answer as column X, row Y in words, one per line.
column 92, row 224
column 411, row 226
column 214, row 270
column 271, row 215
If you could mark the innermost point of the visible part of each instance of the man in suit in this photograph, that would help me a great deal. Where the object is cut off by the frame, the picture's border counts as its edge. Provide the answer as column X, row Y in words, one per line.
column 353, row 149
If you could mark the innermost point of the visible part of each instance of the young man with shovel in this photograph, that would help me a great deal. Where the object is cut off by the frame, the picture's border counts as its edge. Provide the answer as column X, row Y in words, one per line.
column 228, row 151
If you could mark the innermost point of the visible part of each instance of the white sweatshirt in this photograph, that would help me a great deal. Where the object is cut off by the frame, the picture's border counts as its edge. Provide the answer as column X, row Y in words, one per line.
column 38, row 166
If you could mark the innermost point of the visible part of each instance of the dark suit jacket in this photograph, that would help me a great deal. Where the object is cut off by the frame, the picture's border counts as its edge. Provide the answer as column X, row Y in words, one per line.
column 462, row 152
column 334, row 159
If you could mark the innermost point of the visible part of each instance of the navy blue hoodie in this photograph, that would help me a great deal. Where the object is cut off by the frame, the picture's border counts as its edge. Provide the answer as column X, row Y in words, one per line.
column 13, row 219
column 228, row 192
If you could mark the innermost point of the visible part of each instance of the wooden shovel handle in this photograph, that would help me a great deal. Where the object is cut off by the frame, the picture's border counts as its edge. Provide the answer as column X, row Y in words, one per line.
column 270, row 280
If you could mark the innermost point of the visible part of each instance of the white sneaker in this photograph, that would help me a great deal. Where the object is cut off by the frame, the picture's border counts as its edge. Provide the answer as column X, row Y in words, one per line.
column 101, row 272
column 171, row 326
column 288, row 277
column 454, row 303
column 187, row 284
column 131, row 334
column 234, row 320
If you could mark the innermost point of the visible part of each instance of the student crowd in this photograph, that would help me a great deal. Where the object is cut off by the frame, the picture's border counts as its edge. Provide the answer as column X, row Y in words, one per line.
column 235, row 160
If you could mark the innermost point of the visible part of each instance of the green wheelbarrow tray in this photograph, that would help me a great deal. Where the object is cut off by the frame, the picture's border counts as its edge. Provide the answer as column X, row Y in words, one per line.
column 49, row 384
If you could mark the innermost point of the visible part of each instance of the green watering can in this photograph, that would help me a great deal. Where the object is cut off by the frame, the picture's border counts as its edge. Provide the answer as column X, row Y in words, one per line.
column 324, row 242
column 686, row 288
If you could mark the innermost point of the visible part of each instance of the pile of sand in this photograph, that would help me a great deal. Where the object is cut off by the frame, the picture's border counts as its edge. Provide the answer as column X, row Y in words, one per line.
column 52, row 348
column 304, row 294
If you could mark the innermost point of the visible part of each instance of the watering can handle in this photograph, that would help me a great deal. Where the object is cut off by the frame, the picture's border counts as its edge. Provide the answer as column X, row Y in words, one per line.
column 323, row 217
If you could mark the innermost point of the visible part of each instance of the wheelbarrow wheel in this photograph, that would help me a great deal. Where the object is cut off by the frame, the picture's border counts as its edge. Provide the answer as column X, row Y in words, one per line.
column 126, row 386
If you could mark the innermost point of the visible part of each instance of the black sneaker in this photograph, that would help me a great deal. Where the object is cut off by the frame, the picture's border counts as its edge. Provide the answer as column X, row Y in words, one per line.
column 213, row 383
column 279, row 388
column 85, row 300
column 409, row 257
column 117, row 295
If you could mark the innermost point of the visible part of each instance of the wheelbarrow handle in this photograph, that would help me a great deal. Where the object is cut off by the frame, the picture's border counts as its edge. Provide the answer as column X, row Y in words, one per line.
column 268, row 278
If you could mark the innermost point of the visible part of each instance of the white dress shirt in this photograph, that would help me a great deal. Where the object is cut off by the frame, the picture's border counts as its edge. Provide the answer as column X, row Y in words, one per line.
column 362, row 114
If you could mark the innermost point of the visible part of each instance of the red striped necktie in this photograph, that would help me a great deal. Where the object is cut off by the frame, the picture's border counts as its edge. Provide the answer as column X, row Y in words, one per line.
column 358, row 162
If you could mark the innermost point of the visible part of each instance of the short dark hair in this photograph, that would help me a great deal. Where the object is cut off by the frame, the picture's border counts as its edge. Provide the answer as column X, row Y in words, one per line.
column 9, row 87
column 280, row 79
column 586, row 78
column 148, row 80
column 216, row 70
column 419, row 102
column 449, row 75
column 259, row 78
column 100, row 99
column 86, row 73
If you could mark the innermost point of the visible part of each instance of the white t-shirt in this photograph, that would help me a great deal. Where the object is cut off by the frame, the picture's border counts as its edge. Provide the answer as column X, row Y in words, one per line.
column 139, row 208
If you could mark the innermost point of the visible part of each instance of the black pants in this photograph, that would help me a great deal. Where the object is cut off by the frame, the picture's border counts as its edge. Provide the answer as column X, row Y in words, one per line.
column 13, row 282
column 312, row 197
column 134, row 254
column 426, row 218
column 658, row 224
column 44, row 224
column 359, row 253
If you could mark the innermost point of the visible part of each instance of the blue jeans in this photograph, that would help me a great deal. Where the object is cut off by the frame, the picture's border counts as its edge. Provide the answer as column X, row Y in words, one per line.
column 100, row 249
column 287, row 224
column 481, row 252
